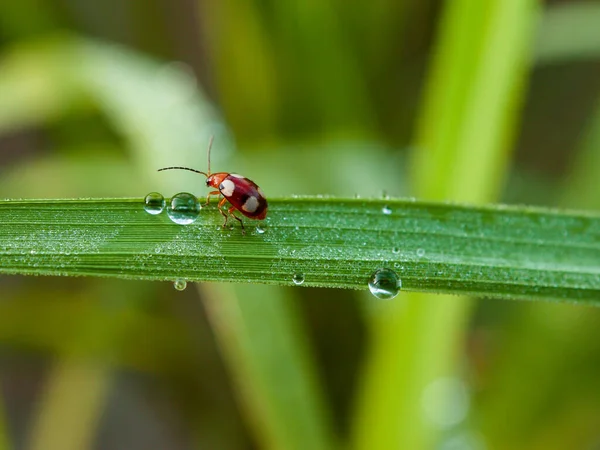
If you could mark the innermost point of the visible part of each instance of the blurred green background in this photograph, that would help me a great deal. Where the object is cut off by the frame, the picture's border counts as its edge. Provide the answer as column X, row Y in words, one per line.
column 466, row 100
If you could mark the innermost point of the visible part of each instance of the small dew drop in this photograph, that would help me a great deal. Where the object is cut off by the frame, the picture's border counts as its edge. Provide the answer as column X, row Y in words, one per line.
column 396, row 250
column 298, row 278
column 260, row 230
column 386, row 210
column 420, row 252
column 183, row 208
column 180, row 285
column 385, row 284
column 154, row 203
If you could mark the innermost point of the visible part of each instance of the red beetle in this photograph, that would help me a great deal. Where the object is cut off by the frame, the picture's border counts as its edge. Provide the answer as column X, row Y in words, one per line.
column 243, row 194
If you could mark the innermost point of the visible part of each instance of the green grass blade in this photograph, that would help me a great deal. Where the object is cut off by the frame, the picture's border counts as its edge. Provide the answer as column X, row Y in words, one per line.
column 535, row 330
column 263, row 342
column 461, row 153
column 510, row 252
column 469, row 110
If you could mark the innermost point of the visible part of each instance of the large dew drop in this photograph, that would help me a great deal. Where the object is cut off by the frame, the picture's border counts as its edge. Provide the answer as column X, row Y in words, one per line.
column 180, row 285
column 154, row 203
column 385, row 284
column 183, row 208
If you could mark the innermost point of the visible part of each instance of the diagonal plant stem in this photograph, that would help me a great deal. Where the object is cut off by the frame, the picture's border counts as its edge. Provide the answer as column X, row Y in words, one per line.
column 75, row 393
column 263, row 341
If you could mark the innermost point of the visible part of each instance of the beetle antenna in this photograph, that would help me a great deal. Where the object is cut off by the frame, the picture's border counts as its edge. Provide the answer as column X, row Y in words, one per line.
column 209, row 147
column 184, row 168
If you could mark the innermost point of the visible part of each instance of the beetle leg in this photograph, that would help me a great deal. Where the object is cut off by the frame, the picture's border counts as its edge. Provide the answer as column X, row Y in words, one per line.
column 208, row 196
column 219, row 206
column 231, row 210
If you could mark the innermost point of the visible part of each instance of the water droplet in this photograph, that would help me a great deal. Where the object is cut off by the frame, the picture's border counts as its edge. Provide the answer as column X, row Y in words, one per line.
column 396, row 250
column 260, row 230
column 386, row 210
column 154, row 203
column 385, row 284
column 180, row 285
column 183, row 208
column 298, row 278
column 420, row 252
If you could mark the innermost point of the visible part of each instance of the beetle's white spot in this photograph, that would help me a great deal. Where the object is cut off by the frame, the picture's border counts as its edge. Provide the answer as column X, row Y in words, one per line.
column 227, row 187
column 235, row 175
column 251, row 204
column 260, row 191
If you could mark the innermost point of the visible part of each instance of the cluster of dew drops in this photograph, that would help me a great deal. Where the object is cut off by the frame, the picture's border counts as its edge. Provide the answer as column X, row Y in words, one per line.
column 184, row 208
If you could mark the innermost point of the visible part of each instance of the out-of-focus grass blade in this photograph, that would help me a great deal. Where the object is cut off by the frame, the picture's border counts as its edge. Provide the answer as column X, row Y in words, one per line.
column 469, row 110
column 581, row 187
column 510, row 252
column 38, row 84
column 297, row 59
column 157, row 107
column 4, row 438
column 460, row 154
column 261, row 336
column 569, row 31
column 532, row 343
column 75, row 394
